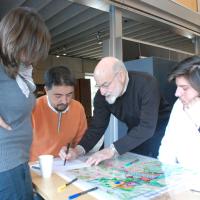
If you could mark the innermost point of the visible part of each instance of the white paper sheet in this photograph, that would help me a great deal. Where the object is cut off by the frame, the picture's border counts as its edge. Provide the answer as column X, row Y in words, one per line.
column 59, row 167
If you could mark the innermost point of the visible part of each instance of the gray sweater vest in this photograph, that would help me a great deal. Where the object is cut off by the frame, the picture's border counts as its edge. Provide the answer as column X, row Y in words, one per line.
column 15, row 109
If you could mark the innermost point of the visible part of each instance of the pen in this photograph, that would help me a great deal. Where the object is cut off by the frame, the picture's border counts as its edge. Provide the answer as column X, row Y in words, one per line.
column 67, row 151
column 73, row 180
column 35, row 167
column 194, row 190
column 73, row 196
column 118, row 184
column 62, row 187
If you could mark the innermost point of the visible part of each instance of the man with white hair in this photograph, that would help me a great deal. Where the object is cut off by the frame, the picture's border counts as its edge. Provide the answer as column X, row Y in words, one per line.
column 132, row 97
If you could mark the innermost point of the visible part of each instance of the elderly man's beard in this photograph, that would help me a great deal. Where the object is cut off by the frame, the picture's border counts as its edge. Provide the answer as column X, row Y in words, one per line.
column 111, row 98
column 61, row 107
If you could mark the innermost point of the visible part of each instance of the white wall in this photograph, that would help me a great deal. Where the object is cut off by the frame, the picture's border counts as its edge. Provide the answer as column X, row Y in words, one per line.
column 77, row 65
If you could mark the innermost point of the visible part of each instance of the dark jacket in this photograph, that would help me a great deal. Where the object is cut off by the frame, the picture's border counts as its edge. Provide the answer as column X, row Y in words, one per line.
column 141, row 108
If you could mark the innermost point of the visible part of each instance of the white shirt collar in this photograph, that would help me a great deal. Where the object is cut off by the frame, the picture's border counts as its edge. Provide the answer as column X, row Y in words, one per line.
column 24, row 79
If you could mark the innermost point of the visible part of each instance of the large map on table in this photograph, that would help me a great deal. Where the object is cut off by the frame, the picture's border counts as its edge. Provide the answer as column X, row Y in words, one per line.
column 132, row 176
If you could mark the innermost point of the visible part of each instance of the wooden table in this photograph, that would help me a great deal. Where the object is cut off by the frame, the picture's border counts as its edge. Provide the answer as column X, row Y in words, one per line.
column 47, row 188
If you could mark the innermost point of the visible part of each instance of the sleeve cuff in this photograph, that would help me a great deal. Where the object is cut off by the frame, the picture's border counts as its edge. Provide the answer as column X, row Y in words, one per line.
column 80, row 150
column 112, row 147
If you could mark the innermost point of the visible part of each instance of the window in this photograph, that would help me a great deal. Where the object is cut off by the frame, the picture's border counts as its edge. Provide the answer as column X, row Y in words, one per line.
column 92, row 88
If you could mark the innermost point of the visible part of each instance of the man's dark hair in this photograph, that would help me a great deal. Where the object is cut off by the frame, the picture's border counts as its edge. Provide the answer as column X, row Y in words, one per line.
column 57, row 76
column 190, row 69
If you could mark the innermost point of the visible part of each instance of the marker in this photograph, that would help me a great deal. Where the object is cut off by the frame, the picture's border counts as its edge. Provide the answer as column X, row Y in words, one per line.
column 35, row 167
column 67, row 151
column 194, row 190
column 118, row 184
column 73, row 180
column 82, row 193
column 130, row 163
column 62, row 187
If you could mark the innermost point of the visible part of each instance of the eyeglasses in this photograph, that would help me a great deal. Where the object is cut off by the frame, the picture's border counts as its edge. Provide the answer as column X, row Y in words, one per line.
column 106, row 85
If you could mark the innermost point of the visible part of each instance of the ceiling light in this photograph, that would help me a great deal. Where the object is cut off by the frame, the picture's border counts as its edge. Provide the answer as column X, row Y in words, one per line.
column 189, row 36
column 99, row 41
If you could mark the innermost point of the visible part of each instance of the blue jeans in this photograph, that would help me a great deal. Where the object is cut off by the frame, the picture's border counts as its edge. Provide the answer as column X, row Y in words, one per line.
column 36, row 196
column 16, row 184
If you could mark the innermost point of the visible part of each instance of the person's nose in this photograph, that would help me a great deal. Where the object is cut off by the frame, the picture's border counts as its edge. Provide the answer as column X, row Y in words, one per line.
column 64, row 99
column 103, row 91
column 179, row 92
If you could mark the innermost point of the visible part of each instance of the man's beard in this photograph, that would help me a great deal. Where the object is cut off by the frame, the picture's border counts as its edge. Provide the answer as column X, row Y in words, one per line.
column 61, row 107
column 111, row 99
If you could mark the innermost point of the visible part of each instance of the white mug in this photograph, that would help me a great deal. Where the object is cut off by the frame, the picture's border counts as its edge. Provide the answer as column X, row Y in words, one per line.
column 46, row 165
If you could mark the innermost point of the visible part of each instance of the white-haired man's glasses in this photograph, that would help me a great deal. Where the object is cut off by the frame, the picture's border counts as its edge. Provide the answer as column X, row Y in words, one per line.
column 106, row 85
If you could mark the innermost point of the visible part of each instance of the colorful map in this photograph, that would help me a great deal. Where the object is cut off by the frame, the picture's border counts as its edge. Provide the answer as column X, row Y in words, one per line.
column 132, row 176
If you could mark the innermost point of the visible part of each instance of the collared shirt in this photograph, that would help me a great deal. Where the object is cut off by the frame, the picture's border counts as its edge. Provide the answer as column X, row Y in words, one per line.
column 59, row 113
column 181, row 142
column 24, row 79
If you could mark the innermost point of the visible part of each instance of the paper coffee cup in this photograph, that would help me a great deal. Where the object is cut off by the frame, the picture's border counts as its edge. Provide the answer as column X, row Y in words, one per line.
column 46, row 165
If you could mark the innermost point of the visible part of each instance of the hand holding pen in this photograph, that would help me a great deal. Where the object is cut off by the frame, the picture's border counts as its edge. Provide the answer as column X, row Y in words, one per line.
column 67, row 151
column 72, row 153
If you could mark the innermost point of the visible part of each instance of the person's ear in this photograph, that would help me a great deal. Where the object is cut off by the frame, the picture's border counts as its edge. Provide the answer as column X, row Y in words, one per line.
column 46, row 90
column 121, row 76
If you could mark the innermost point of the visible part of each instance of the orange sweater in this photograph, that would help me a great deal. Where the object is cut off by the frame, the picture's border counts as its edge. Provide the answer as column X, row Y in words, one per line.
column 46, row 138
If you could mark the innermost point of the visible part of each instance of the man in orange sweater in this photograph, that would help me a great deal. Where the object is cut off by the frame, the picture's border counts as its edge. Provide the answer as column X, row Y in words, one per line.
column 57, row 118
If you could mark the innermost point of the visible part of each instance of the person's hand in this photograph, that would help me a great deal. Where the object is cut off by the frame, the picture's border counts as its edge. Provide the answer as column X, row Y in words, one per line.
column 4, row 125
column 99, row 156
column 72, row 154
